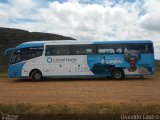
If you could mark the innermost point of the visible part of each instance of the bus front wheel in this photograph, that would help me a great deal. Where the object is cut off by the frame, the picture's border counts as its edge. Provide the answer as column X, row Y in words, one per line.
column 36, row 76
column 117, row 74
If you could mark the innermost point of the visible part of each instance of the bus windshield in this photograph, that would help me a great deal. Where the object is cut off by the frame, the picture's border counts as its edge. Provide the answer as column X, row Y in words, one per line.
column 23, row 54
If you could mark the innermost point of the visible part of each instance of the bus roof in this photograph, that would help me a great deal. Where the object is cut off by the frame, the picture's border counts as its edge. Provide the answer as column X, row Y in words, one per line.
column 71, row 42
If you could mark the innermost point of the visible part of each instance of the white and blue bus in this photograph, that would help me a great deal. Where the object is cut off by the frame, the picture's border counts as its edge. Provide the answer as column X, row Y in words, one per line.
column 118, row 59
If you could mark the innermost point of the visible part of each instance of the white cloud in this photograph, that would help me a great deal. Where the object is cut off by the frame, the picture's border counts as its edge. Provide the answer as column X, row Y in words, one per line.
column 105, row 21
column 150, row 21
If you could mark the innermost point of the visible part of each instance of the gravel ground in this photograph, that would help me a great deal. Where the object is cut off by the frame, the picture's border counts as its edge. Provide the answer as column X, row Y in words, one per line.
column 81, row 91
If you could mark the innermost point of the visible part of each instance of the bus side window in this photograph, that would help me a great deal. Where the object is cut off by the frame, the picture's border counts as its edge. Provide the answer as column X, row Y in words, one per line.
column 133, row 47
column 63, row 50
column 119, row 51
column 47, row 51
column 125, row 50
column 77, row 52
column 141, row 48
column 89, row 51
column 148, row 48
column 106, row 51
column 83, row 50
column 57, row 50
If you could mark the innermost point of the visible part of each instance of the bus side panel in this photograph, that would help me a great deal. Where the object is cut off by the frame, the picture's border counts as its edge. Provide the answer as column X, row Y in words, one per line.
column 98, row 65
column 65, row 65
column 36, row 63
column 68, row 65
column 103, row 64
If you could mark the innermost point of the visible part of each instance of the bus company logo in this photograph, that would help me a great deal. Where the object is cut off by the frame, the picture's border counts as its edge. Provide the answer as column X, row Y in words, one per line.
column 49, row 60
column 61, row 60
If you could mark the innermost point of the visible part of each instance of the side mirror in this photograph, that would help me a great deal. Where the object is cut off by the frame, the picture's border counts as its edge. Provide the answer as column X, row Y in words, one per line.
column 8, row 51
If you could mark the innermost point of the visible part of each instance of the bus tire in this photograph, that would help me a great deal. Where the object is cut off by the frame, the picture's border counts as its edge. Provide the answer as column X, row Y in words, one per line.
column 117, row 74
column 36, row 76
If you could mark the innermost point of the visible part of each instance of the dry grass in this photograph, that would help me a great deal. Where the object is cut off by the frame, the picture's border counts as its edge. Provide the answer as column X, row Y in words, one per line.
column 88, row 109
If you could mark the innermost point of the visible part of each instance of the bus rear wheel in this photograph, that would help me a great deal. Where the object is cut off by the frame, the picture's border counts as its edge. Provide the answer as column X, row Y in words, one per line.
column 117, row 74
column 36, row 76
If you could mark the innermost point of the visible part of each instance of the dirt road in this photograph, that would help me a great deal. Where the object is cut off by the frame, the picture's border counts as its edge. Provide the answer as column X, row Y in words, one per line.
column 80, row 91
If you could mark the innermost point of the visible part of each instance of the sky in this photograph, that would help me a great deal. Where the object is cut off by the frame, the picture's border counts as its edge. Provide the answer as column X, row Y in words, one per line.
column 86, row 19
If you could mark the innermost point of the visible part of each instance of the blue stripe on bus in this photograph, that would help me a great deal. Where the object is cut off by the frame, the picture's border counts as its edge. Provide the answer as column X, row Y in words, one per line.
column 15, row 70
column 29, row 45
column 123, row 42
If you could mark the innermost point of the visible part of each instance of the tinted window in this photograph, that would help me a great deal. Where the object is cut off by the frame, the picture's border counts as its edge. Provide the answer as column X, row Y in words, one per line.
column 29, row 53
column 110, row 49
column 26, row 54
column 83, row 49
column 142, row 48
column 149, row 48
column 96, row 49
column 57, row 50
column 15, row 57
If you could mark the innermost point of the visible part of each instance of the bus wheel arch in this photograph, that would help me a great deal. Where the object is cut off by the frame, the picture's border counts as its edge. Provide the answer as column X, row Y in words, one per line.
column 36, row 75
column 117, row 73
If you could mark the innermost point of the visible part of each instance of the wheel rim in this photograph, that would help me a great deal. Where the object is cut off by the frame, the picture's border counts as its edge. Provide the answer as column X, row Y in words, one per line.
column 37, row 76
column 117, row 74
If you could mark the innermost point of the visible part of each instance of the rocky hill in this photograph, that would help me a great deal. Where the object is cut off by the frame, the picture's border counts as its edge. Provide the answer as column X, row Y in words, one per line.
column 10, row 37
